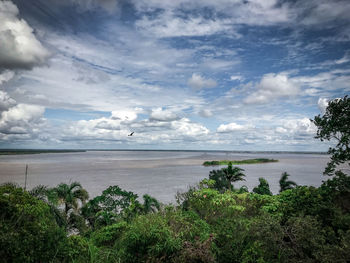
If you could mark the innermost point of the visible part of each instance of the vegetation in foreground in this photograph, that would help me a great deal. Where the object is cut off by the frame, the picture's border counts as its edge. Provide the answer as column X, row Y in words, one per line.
column 239, row 162
column 211, row 222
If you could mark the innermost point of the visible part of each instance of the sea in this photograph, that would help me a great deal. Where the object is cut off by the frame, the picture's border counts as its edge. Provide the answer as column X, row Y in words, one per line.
column 160, row 174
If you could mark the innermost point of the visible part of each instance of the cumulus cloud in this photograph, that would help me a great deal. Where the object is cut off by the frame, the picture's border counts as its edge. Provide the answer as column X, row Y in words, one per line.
column 159, row 114
column 6, row 101
column 322, row 104
column 232, row 127
column 109, row 129
column 185, row 127
column 126, row 115
column 297, row 127
column 6, row 76
column 22, row 119
column 197, row 82
column 19, row 47
column 19, row 121
column 273, row 86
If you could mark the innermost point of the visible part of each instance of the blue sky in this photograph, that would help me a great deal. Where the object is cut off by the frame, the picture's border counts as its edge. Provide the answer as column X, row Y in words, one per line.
column 216, row 75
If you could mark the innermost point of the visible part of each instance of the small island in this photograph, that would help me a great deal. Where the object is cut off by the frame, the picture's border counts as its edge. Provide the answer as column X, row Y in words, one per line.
column 239, row 162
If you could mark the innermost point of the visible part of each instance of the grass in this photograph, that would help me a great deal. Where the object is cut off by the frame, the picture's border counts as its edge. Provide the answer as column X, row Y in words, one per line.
column 239, row 162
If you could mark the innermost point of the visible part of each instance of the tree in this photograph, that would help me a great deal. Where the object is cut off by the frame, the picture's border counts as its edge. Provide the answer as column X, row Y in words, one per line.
column 28, row 230
column 150, row 204
column 334, row 125
column 114, row 203
column 233, row 174
column 285, row 184
column 221, row 182
column 71, row 195
column 263, row 188
column 48, row 196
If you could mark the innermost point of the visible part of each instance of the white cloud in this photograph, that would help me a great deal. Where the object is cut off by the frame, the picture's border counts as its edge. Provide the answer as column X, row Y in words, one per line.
column 159, row 114
column 298, row 127
column 324, row 11
column 232, row 127
column 322, row 104
column 19, row 47
column 124, row 115
column 21, row 122
column 237, row 77
column 273, row 86
column 168, row 25
column 147, row 131
column 184, row 127
column 5, row 101
column 344, row 59
column 197, row 82
column 6, row 76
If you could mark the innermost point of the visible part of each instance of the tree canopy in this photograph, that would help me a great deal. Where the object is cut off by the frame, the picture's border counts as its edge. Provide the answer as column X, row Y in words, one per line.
column 334, row 125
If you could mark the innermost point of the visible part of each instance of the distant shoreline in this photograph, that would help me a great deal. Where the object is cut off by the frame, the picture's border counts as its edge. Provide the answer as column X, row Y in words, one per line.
column 38, row 151
column 34, row 151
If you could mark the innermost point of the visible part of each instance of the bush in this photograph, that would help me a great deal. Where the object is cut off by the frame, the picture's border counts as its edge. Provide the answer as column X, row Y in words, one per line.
column 148, row 238
column 28, row 230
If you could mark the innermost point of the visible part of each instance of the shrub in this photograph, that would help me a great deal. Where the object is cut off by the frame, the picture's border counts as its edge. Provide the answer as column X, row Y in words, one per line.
column 28, row 230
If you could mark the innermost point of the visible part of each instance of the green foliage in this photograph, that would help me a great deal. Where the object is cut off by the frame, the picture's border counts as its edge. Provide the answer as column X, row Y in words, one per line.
column 78, row 249
column 263, row 188
column 150, row 204
column 213, row 222
column 221, row 182
column 334, row 125
column 148, row 238
column 117, row 204
column 28, row 230
column 285, row 184
column 106, row 236
column 225, row 177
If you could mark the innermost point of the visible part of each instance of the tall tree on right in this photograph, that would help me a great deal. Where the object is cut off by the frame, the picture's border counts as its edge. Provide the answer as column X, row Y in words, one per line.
column 334, row 125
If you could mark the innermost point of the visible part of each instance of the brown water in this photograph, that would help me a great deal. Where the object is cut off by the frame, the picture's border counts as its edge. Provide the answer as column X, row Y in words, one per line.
column 158, row 173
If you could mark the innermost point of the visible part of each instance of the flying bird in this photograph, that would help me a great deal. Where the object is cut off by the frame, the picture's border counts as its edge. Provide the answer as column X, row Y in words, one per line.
column 131, row 134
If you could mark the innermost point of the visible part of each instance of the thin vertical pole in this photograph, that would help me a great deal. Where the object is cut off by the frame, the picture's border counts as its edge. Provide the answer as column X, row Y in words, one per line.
column 25, row 181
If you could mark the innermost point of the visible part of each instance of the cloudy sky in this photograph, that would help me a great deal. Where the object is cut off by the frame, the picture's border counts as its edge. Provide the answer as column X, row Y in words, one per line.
column 185, row 74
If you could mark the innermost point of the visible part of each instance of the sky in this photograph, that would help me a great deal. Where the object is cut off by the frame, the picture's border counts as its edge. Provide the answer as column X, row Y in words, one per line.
column 184, row 75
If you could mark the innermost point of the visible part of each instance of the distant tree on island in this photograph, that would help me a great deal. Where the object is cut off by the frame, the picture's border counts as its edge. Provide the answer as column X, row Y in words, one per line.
column 334, row 125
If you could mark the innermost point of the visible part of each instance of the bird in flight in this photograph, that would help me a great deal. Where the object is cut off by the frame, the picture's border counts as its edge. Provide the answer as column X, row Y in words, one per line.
column 131, row 134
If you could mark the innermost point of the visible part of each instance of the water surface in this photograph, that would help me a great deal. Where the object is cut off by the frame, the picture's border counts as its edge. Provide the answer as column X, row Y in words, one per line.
column 158, row 173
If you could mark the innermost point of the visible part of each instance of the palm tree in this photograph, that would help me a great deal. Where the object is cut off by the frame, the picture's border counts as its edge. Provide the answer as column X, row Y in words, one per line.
column 285, row 184
column 71, row 196
column 150, row 204
column 220, row 179
column 233, row 174
column 48, row 196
